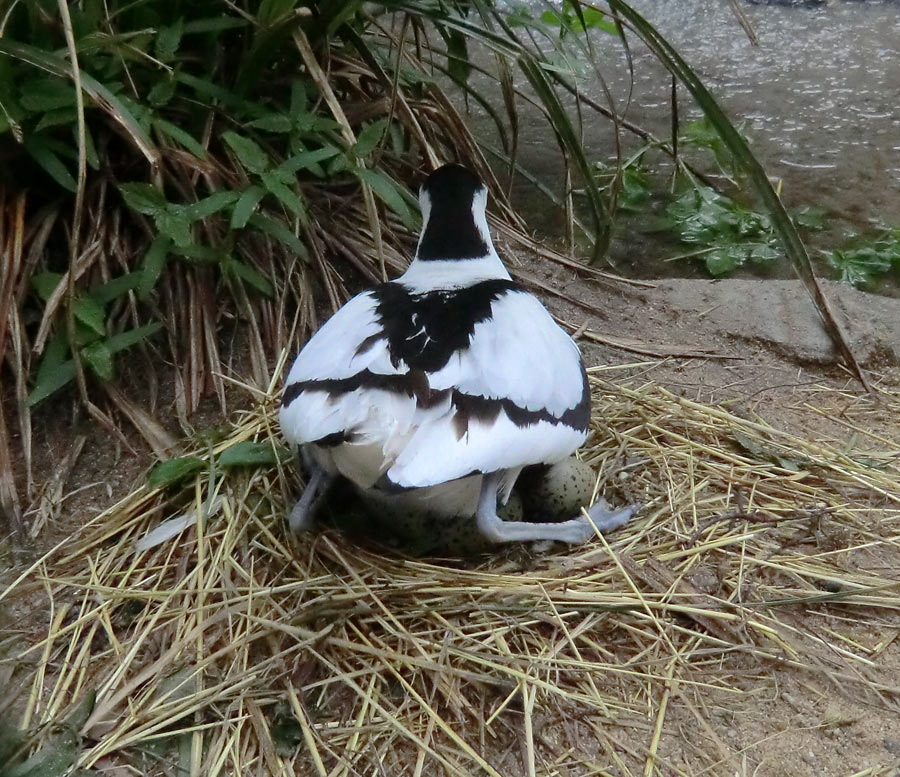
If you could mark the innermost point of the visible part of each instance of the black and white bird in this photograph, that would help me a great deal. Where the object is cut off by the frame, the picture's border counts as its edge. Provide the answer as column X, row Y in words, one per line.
column 435, row 390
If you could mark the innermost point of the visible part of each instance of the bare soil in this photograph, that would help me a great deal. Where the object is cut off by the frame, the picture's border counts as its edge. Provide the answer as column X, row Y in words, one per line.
column 757, row 346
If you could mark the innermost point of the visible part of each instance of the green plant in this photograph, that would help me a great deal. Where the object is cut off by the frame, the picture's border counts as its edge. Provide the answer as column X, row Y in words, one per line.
column 726, row 234
column 865, row 260
column 703, row 134
column 233, row 166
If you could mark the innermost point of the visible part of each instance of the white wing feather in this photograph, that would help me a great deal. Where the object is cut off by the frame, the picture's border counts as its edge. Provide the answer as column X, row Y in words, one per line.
column 332, row 351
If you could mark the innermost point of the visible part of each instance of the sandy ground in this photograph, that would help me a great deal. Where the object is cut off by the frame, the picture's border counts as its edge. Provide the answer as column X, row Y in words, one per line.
column 756, row 345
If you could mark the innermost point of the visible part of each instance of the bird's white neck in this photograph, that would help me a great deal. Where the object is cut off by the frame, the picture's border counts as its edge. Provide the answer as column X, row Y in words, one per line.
column 434, row 274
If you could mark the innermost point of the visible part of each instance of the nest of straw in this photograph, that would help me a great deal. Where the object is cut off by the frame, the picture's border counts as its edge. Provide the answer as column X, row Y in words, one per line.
column 234, row 649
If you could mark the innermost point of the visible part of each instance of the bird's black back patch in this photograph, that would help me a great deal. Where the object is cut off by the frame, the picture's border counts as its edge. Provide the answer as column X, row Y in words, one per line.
column 425, row 330
column 451, row 232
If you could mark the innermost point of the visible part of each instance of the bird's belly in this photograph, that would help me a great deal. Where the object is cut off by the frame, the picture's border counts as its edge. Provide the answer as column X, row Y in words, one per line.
column 362, row 465
column 454, row 499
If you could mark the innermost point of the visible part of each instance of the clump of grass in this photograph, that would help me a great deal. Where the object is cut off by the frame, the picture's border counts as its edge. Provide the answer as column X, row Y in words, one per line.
column 233, row 649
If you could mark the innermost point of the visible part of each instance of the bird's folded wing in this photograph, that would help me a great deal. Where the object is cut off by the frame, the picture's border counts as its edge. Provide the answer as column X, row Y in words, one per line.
column 343, row 369
column 518, row 395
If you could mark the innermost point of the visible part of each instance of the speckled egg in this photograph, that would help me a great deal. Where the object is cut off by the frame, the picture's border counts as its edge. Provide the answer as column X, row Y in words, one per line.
column 556, row 492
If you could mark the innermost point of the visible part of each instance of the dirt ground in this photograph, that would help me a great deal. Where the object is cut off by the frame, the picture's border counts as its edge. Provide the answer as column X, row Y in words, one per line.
column 767, row 356
column 757, row 346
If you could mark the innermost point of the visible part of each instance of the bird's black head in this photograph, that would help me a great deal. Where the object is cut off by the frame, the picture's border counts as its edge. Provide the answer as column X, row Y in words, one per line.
column 453, row 200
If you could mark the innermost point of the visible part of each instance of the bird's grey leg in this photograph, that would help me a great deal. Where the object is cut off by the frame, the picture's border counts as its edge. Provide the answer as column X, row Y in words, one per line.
column 301, row 517
column 574, row 531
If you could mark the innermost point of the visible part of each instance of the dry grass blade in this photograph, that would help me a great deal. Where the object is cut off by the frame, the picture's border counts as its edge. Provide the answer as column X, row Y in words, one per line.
column 12, row 228
column 322, row 657
column 324, row 86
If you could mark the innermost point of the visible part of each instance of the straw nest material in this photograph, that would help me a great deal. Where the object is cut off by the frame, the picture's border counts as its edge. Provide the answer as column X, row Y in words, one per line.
column 231, row 648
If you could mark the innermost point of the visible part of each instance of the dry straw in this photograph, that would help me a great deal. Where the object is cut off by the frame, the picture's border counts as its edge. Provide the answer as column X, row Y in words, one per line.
column 233, row 649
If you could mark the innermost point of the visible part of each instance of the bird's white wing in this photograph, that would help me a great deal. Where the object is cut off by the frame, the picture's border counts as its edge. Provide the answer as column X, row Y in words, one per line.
column 340, row 348
column 333, row 385
column 518, row 396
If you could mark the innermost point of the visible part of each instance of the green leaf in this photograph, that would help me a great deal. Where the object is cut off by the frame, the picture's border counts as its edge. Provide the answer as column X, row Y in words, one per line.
column 52, row 375
column 250, row 275
column 82, row 712
column 299, row 99
column 162, row 92
column 144, row 198
column 116, row 287
column 250, row 454
column 248, row 152
column 175, row 225
column 153, row 265
column 182, row 138
column 209, row 205
column 100, row 359
column 168, row 39
column 91, row 314
column 46, row 157
column 280, row 232
column 458, row 65
column 552, row 17
column 90, row 149
column 635, row 191
column 723, row 260
column 286, row 196
column 47, row 94
column 206, row 88
column 131, row 337
column 810, row 217
column 274, row 122
column 595, row 19
column 369, row 138
column 55, row 355
column 860, row 266
column 214, row 24
column 168, row 473
column 307, row 160
column 389, row 192
column 763, row 253
column 199, row 254
column 245, row 206
column 67, row 116
column 45, row 283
